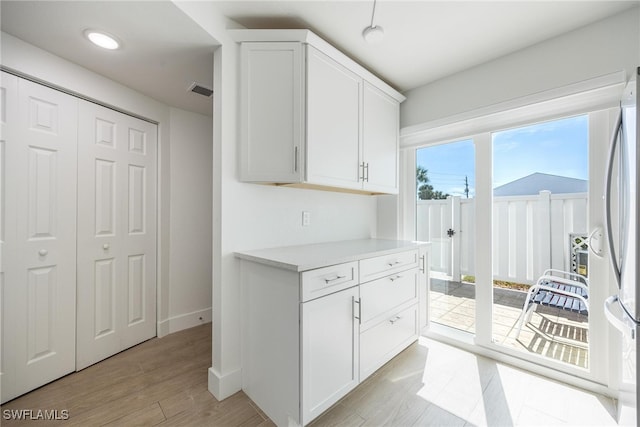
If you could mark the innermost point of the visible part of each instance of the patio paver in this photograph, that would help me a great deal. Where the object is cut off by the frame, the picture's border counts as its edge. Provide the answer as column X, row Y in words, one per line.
column 551, row 332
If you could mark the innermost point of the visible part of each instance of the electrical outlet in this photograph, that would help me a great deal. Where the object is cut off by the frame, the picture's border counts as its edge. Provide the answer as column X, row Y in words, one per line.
column 306, row 218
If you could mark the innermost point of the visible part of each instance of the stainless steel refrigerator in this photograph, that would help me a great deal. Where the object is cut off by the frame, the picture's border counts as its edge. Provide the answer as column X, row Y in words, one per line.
column 622, row 218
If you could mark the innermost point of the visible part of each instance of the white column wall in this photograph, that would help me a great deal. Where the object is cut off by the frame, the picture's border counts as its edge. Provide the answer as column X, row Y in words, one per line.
column 191, row 207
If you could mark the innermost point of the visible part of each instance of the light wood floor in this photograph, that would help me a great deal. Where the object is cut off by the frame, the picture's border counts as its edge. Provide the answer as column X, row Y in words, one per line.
column 164, row 382
column 159, row 382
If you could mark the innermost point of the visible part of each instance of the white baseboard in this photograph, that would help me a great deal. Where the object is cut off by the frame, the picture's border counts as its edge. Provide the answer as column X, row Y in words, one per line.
column 162, row 328
column 183, row 321
column 223, row 386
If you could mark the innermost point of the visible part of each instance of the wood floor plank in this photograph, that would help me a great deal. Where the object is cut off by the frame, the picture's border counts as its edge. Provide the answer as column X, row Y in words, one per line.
column 338, row 416
column 187, row 401
column 231, row 412
column 127, row 402
column 148, row 416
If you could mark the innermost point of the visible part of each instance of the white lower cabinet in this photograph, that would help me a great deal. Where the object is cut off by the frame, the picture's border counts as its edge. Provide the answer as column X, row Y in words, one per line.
column 330, row 338
column 383, row 341
column 312, row 334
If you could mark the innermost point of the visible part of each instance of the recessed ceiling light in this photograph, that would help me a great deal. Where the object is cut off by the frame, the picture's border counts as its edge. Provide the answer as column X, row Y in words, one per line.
column 102, row 39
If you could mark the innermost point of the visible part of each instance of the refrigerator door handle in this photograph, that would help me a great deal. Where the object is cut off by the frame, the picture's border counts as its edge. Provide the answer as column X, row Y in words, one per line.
column 607, row 197
column 615, row 321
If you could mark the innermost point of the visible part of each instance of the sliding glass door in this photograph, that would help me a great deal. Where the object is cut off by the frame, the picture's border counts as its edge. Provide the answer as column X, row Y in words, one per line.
column 502, row 207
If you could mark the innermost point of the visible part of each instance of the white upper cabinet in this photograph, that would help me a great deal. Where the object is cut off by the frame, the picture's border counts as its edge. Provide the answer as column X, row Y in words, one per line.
column 312, row 117
column 380, row 133
column 272, row 115
column 333, row 122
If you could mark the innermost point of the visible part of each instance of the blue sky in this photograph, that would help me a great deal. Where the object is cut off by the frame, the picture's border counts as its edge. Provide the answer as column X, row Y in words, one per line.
column 558, row 148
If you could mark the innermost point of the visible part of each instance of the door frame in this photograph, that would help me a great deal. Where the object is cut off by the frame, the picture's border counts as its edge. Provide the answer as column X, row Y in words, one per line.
column 592, row 97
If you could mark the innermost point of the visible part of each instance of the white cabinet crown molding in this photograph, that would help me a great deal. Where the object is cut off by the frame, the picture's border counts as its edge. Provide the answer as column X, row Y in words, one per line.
column 310, row 38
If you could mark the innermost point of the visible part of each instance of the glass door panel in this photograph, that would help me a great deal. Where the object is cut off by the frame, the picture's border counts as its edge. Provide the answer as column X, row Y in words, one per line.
column 445, row 216
column 540, row 206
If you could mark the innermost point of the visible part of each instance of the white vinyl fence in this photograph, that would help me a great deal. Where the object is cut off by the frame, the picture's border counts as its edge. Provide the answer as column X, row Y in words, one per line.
column 530, row 234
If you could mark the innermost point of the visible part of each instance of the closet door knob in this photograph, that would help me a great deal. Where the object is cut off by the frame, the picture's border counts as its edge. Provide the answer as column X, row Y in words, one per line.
column 43, row 252
column 105, row 246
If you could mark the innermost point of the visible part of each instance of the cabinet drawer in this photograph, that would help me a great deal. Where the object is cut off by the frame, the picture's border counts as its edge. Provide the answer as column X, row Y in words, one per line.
column 326, row 280
column 382, row 295
column 381, row 343
column 374, row 268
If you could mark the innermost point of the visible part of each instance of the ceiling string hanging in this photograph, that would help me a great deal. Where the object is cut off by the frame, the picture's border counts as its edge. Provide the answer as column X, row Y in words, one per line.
column 373, row 33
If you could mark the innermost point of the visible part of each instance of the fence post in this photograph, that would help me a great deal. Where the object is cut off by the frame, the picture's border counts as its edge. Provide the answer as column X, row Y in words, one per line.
column 455, row 239
column 544, row 238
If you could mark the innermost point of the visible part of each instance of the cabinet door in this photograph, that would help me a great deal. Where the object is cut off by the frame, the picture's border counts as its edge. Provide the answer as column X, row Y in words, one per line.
column 330, row 344
column 272, row 115
column 333, row 123
column 380, row 140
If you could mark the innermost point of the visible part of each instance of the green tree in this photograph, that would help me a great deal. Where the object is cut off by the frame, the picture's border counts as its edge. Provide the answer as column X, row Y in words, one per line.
column 425, row 190
column 422, row 179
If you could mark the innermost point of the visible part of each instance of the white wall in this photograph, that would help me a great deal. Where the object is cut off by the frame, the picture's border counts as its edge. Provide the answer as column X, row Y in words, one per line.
column 190, row 236
column 248, row 216
column 604, row 47
column 173, row 300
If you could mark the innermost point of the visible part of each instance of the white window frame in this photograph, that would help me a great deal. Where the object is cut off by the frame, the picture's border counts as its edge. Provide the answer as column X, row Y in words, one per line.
column 599, row 99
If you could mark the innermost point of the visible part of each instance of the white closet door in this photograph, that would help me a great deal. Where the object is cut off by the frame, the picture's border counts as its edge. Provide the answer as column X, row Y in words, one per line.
column 8, row 114
column 116, row 233
column 39, row 291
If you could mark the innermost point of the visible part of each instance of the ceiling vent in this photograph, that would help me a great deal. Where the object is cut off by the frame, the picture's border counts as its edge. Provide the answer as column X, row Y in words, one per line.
column 200, row 90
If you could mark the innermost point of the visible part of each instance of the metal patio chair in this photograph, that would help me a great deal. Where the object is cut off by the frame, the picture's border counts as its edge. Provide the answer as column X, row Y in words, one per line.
column 556, row 288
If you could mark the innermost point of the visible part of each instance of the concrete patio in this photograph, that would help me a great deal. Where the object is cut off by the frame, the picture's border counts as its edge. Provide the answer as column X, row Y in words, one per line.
column 551, row 332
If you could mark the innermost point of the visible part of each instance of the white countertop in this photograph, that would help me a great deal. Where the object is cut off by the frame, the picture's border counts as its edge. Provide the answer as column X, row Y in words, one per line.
column 308, row 257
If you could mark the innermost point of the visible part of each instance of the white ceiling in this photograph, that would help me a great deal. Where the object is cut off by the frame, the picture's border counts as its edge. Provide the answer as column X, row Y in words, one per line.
column 164, row 51
column 426, row 40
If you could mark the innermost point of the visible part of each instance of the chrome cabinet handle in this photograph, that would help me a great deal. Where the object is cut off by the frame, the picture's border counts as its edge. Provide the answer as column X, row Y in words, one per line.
column 423, row 268
column 359, row 316
column 295, row 158
column 391, row 264
column 395, row 319
column 396, row 277
column 43, row 252
column 365, row 167
column 333, row 279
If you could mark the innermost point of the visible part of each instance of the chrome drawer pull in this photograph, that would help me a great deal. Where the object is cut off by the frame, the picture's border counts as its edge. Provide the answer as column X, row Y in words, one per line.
column 327, row 281
column 391, row 264
column 395, row 319
column 396, row 277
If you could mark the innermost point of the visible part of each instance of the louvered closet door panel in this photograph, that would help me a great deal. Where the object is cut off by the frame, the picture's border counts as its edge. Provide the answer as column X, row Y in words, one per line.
column 116, row 233
column 39, row 287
